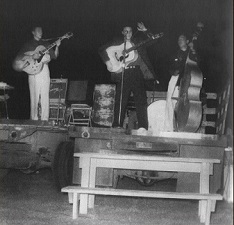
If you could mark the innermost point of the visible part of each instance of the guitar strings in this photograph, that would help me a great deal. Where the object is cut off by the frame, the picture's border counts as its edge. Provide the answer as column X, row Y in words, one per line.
column 49, row 39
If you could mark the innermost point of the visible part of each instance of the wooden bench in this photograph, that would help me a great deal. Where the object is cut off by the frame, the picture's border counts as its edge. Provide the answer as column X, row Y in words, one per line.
column 90, row 161
column 210, row 199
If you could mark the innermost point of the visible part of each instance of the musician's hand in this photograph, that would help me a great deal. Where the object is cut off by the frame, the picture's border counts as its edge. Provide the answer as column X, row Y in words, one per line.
column 58, row 43
column 176, row 73
column 141, row 27
column 36, row 56
column 46, row 58
column 191, row 46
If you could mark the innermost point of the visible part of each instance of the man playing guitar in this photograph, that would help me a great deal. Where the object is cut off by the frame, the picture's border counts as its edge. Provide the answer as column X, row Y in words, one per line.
column 130, row 75
column 35, row 64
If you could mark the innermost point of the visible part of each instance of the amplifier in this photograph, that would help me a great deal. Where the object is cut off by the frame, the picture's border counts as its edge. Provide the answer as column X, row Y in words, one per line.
column 58, row 90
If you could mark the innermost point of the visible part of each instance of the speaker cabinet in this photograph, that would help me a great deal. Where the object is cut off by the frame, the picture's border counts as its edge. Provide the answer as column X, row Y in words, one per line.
column 58, row 91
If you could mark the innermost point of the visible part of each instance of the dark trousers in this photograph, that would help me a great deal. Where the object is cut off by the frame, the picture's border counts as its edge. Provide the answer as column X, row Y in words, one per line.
column 132, row 81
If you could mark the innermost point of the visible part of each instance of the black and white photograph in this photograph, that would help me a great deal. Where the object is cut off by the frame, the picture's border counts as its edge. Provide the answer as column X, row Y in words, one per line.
column 116, row 112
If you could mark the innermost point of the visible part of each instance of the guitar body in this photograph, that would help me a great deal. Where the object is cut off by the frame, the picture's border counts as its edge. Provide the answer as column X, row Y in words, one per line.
column 34, row 66
column 115, row 54
column 188, row 110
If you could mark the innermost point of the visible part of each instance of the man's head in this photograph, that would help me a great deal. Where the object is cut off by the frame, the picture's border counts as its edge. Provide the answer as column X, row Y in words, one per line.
column 127, row 32
column 37, row 33
column 183, row 42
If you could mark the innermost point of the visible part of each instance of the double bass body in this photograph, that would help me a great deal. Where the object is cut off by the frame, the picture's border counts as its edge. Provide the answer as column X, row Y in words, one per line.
column 188, row 110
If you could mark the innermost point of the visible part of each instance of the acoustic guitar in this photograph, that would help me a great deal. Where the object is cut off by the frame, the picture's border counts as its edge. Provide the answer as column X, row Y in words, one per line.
column 35, row 66
column 116, row 53
column 188, row 110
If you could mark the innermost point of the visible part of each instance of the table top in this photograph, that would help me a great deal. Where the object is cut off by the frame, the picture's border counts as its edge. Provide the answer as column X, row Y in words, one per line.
column 105, row 155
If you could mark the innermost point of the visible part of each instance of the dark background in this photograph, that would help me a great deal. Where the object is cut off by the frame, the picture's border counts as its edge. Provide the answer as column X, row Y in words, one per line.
column 94, row 22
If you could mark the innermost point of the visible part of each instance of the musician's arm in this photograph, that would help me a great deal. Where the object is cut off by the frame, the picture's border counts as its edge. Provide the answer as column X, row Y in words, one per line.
column 102, row 50
column 103, row 54
column 18, row 63
column 193, row 53
column 141, row 27
column 56, row 51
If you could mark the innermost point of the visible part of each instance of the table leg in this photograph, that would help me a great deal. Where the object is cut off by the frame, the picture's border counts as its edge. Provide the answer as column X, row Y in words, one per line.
column 85, row 171
column 92, row 180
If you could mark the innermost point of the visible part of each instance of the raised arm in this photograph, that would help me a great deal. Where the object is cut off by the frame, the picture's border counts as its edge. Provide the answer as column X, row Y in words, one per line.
column 141, row 27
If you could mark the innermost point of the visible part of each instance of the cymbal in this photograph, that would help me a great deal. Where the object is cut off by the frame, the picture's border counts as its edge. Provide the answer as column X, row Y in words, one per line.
column 5, row 86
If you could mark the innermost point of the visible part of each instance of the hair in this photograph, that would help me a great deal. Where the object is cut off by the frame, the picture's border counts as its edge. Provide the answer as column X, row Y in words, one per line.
column 126, row 27
column 183, row 34
column 34, row 27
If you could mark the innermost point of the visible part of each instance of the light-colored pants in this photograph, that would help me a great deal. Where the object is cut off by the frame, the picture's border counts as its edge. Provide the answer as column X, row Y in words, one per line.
column 39, row 85
column 172, row 91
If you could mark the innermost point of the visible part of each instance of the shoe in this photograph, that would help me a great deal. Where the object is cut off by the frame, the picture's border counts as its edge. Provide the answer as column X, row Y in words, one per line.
column 142, row 131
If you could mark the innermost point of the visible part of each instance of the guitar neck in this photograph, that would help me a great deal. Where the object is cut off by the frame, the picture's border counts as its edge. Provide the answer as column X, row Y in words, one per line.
column 137, row 45
column 144, row 42
column 51, row 45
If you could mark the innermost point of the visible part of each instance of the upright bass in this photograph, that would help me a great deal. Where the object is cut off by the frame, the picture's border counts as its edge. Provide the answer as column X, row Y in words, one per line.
column 188, row 109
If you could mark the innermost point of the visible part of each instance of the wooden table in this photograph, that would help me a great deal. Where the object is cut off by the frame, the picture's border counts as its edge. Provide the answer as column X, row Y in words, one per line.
column 89, row 162
column 93, row 139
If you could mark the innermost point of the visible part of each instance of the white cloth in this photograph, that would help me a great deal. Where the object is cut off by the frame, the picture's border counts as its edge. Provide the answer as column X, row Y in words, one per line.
column 172, row 91
column 39, row 86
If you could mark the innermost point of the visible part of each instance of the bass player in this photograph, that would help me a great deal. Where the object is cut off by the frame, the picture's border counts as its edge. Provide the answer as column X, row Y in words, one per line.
column 39, row 83
column 132, row 69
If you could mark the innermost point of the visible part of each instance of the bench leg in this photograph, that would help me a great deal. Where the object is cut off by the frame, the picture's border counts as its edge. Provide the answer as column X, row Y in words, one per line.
column 204, row 188
column 208, row 212
column 213, row 205
column 70, row 197
column 83, row 203
column 203, row 206
column 92, row 182
column 75, row 206
column 199, row 208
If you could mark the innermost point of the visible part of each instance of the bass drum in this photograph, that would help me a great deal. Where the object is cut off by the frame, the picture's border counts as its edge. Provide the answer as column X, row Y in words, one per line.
column 156, row 116
column 103, row 104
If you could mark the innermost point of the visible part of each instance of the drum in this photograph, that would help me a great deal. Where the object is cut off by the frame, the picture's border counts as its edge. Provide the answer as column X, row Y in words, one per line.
column 103, row 104
column 156, row 116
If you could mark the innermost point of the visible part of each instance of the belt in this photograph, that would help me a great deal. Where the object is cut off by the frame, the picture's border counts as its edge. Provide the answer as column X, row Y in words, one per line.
column 131, row 67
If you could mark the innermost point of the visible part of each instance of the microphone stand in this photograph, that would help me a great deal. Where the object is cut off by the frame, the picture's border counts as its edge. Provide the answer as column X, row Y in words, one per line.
column 122, row 77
